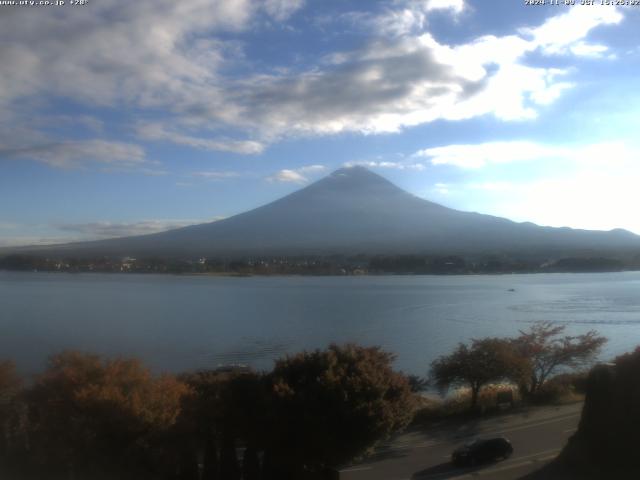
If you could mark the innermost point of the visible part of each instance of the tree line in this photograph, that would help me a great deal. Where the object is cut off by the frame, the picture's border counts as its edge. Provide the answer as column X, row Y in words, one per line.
column 323, row 265
column 88, row 417
column 528, row 360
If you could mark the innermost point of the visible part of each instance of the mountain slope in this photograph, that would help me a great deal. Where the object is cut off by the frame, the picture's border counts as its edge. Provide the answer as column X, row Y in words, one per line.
column 355, row 211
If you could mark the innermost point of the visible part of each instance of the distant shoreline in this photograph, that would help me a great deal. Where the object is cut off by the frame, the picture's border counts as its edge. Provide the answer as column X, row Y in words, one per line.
column 381, row 274
column 332, row 265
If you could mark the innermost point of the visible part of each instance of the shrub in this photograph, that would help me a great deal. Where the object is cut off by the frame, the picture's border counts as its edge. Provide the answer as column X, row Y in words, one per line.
column 92, row 415
column 563, row 388
column 331, row 405
column 432, row 408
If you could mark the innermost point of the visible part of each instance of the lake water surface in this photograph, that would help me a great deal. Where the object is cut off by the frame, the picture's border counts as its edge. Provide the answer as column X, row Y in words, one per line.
column 177, row 323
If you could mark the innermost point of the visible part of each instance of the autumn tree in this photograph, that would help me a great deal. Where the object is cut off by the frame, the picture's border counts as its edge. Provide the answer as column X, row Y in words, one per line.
column 484, row 361
column 95, row 416
column 546, row 351
column 328, row 406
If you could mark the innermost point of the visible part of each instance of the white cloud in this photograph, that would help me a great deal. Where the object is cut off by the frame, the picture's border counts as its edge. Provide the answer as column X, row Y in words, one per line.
column 584, row 49
column 407, row 16
column 282, row 9
column 79, row 153
column 456, row 6
column 170, row 59
column 412, row 79
column 287, row 176
column 479, row 155
column 133, row 52
column 483, row 154
column 565, row 33
column 149, row 55
column 386, row 164
column 156, row 131
column 399, row 21
column 298, row 175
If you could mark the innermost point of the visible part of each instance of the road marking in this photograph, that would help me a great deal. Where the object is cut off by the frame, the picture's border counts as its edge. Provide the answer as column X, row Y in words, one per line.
column 544, row 459
column 521, row 462
column 533, row 425
column 553, row 451
column 517, row 465
column 432, row 443
column 569, row 430
column 355, row 469
column 429, row 444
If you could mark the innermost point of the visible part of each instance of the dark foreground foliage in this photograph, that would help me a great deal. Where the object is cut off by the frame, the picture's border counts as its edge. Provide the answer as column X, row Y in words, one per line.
column 330, row 406
column 90, row 418
column 606, row 442
column 607, row 437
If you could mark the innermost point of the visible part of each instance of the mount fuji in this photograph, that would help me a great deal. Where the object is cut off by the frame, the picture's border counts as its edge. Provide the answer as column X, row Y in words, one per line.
column 350, row 211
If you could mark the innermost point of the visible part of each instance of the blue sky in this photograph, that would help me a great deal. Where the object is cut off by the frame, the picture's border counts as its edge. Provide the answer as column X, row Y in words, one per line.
column 121, row 118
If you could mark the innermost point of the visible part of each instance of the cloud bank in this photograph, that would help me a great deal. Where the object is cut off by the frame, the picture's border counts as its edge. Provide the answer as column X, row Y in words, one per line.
column 173, row 66
column 103, row 230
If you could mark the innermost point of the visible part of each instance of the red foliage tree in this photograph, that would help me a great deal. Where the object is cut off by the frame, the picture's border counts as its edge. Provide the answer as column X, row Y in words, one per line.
column 484, row 361
column 95, row 416
column 546, row 351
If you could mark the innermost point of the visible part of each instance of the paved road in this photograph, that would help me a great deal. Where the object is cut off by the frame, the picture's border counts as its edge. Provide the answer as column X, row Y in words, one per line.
column 537, row 436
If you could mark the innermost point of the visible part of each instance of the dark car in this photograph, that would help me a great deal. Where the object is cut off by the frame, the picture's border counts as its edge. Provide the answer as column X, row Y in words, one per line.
column 482, row 450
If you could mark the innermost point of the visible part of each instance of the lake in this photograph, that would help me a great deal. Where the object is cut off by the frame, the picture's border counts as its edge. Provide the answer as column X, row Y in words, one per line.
column 177, row 323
